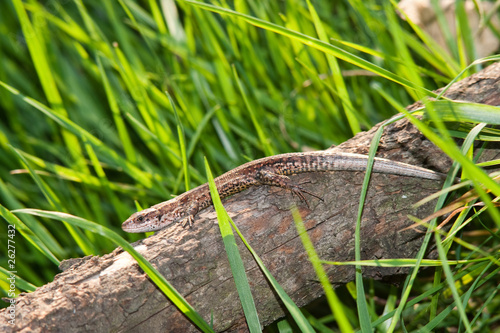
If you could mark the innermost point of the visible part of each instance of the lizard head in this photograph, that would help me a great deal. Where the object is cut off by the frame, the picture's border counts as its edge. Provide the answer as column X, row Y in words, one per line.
column 150, row 219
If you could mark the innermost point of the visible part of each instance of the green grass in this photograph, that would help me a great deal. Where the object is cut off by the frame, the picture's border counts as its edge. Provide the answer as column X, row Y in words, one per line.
column 106, row 107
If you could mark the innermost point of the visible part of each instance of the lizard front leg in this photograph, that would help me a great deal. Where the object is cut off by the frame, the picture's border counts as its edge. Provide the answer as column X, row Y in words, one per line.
column 190, row 212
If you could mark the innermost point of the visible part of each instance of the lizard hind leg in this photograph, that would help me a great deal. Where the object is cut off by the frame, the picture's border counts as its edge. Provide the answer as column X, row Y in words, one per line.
column 299, row 186
column 270, row 178
column 299, row 191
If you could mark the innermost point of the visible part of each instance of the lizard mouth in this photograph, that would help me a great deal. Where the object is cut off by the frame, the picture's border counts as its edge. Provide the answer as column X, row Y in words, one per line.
column 143, row 221
column 129, row 226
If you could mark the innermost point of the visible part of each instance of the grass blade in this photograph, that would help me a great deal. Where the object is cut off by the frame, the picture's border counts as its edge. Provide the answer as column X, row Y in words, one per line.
column 334, row 302
column 141, row 176
column 263, row 138
column 449, row 278
column 82, row 241
column 295, row 312
column 28, row 234
column 339, row 82
column 155, row 276
column 315, row 43
column 21, row 284
column 235, row 261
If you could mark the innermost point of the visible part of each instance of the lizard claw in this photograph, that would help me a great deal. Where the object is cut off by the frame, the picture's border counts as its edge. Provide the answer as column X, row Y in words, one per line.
column 300, row 188
column 299, row 191
column 187, row 221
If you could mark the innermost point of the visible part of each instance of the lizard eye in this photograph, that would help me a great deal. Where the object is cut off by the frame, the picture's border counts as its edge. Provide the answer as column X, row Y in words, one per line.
column 140, row 218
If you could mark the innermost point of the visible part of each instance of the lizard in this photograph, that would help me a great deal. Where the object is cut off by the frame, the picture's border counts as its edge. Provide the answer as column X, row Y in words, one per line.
column 272, row 170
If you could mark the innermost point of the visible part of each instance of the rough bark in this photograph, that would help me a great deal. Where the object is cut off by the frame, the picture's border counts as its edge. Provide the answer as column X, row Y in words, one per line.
column 111, row 293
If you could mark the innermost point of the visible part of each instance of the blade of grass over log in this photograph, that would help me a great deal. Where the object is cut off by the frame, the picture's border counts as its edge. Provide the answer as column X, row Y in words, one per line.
column 459, row 223
column 301, row 321
column 153, row 274
column 447, row 145
column 467, row 165
column 333, row 301
column 398, row 262
column 474, row 249
column 468, row 150
column 185, row 168
column 364, row 316
column 234, row 257
column 475, row 173
column 315, row 43
column 362, row 306
column 466, row 112
column 410, row 280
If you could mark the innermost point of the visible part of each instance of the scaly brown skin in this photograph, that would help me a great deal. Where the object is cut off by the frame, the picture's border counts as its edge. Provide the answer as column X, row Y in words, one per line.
column 274, row 171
